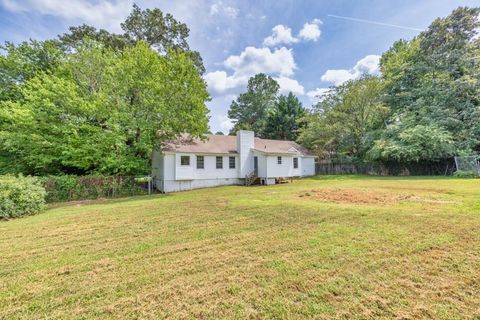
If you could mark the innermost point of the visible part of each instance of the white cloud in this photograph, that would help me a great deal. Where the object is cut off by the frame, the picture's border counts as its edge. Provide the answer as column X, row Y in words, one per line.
column 311, row 30
column 255, row 60
column 337, row 77
column 222, row 9
column 220, row 81
column 366, row 65
column 370, row 64
column 225, row 123
column 105, row 14
column 289, row 85
column 318, row 94
column 250, row 61
column 281, row 34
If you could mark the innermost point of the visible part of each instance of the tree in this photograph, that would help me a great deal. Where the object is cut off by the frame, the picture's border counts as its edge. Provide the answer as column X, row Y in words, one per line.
column 77, row 36
column 101, row 112
column 155, row 98
column 413, row 143
column 251, row 109
column 285, row 119
column 219, row 133
column 162, row 32
column 346, row 120
column 21, row 62
column 432, row 85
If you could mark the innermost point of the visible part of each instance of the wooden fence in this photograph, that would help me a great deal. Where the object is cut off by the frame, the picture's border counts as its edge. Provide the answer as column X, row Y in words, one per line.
column 445, row 167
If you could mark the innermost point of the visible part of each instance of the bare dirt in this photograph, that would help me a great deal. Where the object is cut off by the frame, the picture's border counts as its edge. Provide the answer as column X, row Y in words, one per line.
column 356, row 196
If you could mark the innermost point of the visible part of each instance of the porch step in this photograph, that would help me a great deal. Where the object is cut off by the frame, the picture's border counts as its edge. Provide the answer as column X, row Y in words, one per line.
column 250, row 178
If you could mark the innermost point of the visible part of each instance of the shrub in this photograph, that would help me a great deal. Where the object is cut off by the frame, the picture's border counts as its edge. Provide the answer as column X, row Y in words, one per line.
column 20, row 196
column 465, row 174
column 70, row 187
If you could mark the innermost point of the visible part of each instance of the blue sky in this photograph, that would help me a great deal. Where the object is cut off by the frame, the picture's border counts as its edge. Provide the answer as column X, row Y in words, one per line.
column 306, row 45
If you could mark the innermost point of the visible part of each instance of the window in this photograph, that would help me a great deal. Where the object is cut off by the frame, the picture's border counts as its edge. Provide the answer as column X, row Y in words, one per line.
column 219, row 162
column 231, row 162
column 185, row 160
column 295, row 163
column 279, row 160
column 200, row 162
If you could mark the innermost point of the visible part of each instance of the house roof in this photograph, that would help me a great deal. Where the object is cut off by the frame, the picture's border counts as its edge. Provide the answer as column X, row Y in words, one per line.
column 228, row 144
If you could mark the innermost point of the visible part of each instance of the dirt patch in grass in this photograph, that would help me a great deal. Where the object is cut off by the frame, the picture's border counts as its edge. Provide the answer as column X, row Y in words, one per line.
column 357, row 196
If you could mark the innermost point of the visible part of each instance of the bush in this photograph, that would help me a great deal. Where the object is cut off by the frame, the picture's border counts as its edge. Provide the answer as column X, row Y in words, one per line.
column 20, row 196
column 70, row 187
column 465, row 174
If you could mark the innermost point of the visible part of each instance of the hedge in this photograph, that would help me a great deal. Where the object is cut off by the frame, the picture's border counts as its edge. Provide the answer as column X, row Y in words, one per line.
column 20, row 196
column 71, row 187
column 466, row 174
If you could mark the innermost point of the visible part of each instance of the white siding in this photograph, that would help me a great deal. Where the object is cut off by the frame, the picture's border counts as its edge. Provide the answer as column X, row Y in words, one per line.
column 183, row 172
column 262, row 164
column 308, row 166
column 245, row 144
column 183, row 185
column 170, row 175
column 211, row 172
column 157, row 165
column 298, row 171
column 275, row 170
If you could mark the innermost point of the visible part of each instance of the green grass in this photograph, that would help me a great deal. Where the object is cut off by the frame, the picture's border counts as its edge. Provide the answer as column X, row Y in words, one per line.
column 324, row 248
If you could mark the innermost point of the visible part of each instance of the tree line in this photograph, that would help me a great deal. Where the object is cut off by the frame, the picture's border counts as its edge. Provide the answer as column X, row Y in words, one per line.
column 91, row 101
column 425, row 105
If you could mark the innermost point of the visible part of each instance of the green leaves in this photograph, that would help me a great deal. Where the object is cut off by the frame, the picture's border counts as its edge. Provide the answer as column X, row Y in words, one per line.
column 100, row 111
column 251, row 109
column 285, row 119
column 425, row 106
column 413, row 144
column 345, row 120
column 433, row 81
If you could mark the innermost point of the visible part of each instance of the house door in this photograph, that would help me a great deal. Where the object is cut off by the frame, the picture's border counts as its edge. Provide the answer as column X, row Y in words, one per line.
column 255, row 165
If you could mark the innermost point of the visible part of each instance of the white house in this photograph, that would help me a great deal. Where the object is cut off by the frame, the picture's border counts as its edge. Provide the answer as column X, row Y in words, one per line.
column 185, row 163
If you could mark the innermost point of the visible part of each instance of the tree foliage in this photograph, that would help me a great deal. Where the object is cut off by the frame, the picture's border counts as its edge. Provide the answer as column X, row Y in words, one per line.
column 424, row 107
column 345, row 121
column 251, row 109
column 102, row 111
column 284, row 120
column 263, row 111
column 161, row 31
column 432, row 85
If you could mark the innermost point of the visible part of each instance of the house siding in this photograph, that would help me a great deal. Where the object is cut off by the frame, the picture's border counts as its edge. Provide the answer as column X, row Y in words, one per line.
column 170, row 175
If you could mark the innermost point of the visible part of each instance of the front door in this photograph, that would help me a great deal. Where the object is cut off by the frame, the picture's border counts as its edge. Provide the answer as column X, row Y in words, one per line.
column 255, row 165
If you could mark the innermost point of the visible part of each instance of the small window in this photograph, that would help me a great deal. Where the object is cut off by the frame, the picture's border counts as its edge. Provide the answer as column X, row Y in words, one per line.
column 200, row 162
column 279, row 160
column 231, row 162
column 219, row 162
column 185, row 160
column 295, row 163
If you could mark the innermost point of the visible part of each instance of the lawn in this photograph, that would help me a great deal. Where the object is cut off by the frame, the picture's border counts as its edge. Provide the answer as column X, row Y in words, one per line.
column 325, row 248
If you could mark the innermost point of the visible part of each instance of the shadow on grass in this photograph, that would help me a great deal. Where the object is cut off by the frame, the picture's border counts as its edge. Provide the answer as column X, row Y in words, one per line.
column 376, row 177
column 133, row 198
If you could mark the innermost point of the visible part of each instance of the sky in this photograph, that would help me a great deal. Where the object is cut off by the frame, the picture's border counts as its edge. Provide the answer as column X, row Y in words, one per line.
column 307, row 46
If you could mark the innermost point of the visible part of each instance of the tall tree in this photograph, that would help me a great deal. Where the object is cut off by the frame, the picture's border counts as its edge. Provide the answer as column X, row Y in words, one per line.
column 161, row 31
column 102, row 112
column 21, row 62
column 250, row 110
column 345, row 121
column 432, row 85
column 285, row 119
column 77, row 36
